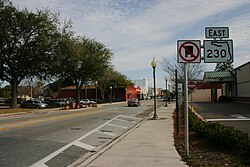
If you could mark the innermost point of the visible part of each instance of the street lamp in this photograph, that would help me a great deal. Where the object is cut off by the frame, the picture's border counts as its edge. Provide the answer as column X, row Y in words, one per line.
column 166, row 92
column 96, row 83
column 110, row 94
column 154, row 64
column 169, row 94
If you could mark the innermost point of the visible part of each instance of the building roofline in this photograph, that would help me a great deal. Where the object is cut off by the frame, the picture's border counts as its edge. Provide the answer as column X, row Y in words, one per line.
column 241, row 66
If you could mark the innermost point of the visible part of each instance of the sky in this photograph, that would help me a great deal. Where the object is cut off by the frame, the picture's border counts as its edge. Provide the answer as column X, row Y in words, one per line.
column 138, row 30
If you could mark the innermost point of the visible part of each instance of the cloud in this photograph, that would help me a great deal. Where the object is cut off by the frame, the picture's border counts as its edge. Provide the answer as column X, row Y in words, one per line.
column 137, row 30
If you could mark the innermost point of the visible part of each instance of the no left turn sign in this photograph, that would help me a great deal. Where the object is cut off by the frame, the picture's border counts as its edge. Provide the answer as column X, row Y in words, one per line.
column 189, row 51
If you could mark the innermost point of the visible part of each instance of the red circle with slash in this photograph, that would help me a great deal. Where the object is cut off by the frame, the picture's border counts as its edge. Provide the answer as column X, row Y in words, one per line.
column 194, row 56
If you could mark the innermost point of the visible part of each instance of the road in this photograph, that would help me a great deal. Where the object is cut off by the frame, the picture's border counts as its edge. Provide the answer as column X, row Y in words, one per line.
column 229, row 114
column 59, row 138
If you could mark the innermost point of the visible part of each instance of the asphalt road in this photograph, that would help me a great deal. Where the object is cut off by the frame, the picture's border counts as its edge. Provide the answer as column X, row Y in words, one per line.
column 59, row 138
column 229, row 114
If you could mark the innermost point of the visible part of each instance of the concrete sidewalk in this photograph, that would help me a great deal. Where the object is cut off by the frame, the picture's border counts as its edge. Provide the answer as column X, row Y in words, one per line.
column 151, row 144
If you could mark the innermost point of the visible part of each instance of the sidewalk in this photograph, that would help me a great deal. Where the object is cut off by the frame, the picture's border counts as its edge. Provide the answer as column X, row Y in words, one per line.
column 151, row 144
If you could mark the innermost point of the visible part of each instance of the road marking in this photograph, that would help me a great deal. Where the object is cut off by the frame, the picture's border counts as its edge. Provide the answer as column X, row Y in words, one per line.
column 108, row 133
column 33, row 121
column 238, row 116
column 130, row 117
column 229, row 119
column 122, row 120
column 41, row 163
column 84, row 145
column 118, row 126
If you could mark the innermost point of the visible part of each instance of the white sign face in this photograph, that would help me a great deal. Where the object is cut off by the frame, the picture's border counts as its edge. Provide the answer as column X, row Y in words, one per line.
column 218, row 51
column 179, row 88
column 188, row 51
column 217, row 32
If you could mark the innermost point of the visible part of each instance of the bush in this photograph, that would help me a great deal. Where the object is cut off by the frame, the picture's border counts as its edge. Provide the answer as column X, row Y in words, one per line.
column 227, row 138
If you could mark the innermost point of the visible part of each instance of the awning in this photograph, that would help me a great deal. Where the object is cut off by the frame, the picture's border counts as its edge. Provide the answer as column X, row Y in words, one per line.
column 218, row 76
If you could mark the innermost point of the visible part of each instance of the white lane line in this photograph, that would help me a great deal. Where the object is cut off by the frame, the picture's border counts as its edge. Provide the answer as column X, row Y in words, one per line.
column 44, row 165
column 123, row 120
column 238, row 116
column 85, row 146
column 108, row 133
column 52, row 155
column 118, row 126
column 130, row 117
column 230, row 119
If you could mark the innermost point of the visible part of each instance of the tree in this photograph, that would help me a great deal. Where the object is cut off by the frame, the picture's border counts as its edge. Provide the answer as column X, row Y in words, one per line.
column 224, row 67
column 27, row 40
column 170, row 64
column 83, row 60
column 5, row 92
column 112, row 78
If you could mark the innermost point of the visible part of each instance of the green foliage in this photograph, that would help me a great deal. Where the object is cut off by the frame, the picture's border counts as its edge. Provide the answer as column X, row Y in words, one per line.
column 35, row 44
column 27, row 40
column 227, row 138
column 224, row 67
column 112, row 78
column 5, row 92
column 80, row 60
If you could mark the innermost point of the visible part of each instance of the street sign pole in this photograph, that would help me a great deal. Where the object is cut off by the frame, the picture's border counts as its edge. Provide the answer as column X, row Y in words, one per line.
column 191, row 92
column 186, row 109
column 177, row 105
column 215, row 51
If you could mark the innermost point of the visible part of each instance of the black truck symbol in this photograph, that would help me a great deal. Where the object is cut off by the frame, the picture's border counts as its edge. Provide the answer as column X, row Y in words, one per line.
column 189, row 51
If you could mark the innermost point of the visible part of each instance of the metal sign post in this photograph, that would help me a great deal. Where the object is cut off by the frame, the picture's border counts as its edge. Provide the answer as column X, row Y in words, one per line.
column 188, row 52
column 186, row 109
column 177, row 105
column 215, row 51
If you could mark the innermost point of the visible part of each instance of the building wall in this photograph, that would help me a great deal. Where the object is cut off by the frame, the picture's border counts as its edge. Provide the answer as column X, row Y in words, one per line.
column 243, row 80
column 132, row 92
column 202, row 95
column 143, row 83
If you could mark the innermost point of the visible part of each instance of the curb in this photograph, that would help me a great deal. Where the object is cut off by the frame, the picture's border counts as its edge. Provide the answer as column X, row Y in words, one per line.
column 197, row 114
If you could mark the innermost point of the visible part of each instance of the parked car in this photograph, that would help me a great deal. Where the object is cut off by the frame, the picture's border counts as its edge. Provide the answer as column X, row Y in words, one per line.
column 85, row 101
column 134, row 102
column 51, row 103
column 92, row 101
column 224, row 99
column 62, row 102
column 33, row 104
column 55, row 102
column 70, row 100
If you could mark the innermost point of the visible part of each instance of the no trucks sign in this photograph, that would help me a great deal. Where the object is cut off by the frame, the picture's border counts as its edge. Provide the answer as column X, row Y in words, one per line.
column 189, row 51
